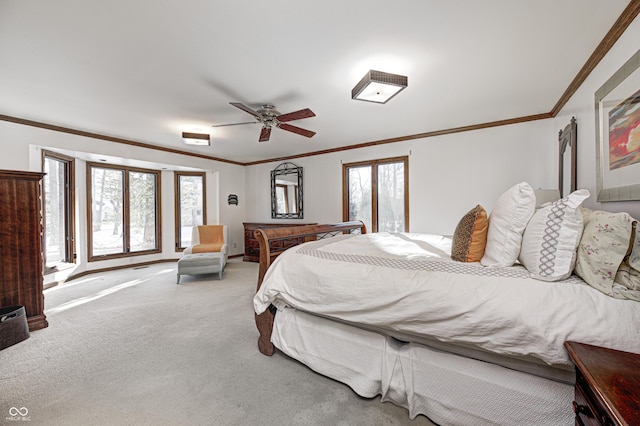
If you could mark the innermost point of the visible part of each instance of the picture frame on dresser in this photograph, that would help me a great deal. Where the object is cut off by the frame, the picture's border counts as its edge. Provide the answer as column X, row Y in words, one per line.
column 617, row 114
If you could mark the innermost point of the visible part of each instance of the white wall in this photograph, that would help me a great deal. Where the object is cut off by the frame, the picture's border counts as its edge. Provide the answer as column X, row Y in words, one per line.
column 582, row 106
column 22, row 147
column 448, row 175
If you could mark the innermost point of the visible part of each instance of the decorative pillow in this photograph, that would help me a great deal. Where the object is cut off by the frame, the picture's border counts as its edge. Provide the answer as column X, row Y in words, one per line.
column 507, row 221
column 626, row 284
column 470, row 236
column 604, row 244
column 550, row 240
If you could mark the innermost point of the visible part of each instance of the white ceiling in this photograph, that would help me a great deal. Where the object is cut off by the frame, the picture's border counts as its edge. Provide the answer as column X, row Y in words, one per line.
column 145, row 70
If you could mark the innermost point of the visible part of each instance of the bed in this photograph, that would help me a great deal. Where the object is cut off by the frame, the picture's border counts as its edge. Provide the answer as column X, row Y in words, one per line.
column 394, row 315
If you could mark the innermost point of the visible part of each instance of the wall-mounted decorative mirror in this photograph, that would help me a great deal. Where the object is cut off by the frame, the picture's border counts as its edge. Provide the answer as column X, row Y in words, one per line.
column 568, row 177
column 286, row 192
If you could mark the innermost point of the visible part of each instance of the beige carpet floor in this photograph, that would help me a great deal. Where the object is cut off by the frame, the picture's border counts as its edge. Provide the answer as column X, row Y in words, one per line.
column 130, row 347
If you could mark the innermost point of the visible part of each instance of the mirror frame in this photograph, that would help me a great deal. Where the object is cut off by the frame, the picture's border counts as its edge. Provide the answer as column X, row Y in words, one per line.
column 568, row 137
column 281, row 170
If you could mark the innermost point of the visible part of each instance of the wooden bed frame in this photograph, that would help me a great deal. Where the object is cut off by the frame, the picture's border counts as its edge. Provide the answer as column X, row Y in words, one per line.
column 274, row 242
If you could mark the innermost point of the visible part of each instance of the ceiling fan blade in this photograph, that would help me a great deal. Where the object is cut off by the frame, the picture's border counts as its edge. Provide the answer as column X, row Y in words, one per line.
column 246, row 109
column 297, row 130
column 265, row 134
column 234, row 124
column 296, row 115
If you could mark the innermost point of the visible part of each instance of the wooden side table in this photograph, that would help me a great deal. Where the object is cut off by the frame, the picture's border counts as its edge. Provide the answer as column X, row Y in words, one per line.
column 607, row 388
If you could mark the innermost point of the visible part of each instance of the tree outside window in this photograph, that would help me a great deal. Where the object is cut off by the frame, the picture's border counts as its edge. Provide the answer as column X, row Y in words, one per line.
column 190, row 202
column 376, row 192
column 124, row 213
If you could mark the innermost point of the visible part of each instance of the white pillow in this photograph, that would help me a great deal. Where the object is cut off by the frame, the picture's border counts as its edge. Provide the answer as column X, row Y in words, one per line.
column 550, row 241
column 507, row 221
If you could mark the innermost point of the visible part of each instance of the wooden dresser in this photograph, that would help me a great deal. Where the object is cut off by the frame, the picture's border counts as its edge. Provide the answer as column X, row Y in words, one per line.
column 251, row 246
column 607, row 385
column 21, row 242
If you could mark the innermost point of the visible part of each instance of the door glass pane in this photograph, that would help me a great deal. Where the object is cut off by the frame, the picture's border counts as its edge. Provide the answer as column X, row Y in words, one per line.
column 107, row 218
column 54, row 183
column 391, row 197
column 191, row 206
column 142, row 211
column 282, row 202
column 360, row 194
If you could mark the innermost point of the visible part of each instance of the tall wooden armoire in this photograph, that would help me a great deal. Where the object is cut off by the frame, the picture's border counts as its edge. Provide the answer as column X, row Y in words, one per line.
column 21, row 242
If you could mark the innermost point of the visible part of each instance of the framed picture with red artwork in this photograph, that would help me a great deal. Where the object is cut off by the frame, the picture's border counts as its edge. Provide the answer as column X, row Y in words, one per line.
column 617, row 105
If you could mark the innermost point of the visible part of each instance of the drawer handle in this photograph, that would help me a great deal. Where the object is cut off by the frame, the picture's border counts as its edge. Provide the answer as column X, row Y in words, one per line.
column 581, row 409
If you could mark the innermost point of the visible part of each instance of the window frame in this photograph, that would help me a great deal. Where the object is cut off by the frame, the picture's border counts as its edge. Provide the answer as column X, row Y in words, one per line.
column 374, row 188
column 178, row 216
column 69, row 210
column 125, row 212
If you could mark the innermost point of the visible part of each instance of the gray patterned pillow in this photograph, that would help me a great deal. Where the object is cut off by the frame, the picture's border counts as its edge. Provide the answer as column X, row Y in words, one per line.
column 550, row 239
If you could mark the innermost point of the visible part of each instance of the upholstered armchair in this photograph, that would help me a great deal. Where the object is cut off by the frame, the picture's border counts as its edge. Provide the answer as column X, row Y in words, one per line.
column 209, row 239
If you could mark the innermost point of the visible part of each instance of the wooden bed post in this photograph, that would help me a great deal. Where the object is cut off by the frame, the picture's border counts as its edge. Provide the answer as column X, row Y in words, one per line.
column 264, row 321
column 298, row 234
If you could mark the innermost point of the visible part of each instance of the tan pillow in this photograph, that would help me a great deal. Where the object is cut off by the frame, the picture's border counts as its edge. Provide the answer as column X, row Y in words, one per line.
column 470, row 236
column 603, row 246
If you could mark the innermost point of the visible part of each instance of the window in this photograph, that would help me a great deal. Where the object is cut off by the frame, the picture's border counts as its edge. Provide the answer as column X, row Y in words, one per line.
column 124, row 211
column 377, row 193
column 58, row 190
column 282, row 197
column 190, row 198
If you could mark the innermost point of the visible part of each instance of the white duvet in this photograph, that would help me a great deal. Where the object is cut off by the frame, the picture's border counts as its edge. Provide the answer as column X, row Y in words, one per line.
column 409, row 284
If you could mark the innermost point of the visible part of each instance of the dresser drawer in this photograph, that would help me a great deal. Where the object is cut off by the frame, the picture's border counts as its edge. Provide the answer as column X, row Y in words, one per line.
column 586, row 407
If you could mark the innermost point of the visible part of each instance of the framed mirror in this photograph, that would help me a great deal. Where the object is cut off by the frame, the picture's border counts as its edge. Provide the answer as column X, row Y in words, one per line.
column 568, row 177
column 286, row 192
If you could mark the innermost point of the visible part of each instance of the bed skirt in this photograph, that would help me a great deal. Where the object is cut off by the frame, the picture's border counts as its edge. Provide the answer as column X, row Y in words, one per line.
column 447, row 388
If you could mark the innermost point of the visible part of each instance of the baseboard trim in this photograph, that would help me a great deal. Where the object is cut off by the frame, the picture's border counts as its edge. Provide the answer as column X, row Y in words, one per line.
column 114, row 268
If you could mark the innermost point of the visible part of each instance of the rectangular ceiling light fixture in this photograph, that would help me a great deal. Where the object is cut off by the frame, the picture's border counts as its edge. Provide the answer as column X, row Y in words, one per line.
column 379, row 87
column 196, row 138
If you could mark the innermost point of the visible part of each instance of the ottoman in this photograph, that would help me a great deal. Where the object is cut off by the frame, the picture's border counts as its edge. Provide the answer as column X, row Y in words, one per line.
column 201, row 263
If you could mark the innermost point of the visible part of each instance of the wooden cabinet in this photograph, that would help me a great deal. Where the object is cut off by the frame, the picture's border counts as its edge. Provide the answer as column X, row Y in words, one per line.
column 21, row 242
column 251, row 246
column 607, row 388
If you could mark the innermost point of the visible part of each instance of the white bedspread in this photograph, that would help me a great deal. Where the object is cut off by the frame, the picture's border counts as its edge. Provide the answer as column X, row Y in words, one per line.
column 408, row 283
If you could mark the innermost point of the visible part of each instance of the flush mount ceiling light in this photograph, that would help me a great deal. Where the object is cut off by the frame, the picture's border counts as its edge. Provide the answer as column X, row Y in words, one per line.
column 378, row 86
column 196, row 138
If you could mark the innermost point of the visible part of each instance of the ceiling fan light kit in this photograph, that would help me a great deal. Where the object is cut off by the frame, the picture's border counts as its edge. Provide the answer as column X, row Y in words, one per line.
column 269, row 117
column 378, row 87
column 202, row 139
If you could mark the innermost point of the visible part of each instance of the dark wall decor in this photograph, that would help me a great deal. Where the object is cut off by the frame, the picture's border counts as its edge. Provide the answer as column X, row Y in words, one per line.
column 568, row 176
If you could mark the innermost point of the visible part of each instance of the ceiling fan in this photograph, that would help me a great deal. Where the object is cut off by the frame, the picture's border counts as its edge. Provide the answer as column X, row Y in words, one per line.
column 269, row 117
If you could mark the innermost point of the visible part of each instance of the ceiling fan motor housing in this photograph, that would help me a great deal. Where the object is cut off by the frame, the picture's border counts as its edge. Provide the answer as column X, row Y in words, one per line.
column 270, row 117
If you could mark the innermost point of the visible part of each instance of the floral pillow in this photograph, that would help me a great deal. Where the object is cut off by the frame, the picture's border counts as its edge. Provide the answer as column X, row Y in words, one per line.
column 627, row 282
column 604, row 245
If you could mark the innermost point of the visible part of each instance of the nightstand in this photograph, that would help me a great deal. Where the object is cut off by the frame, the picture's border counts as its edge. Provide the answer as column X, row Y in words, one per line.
column 607, row 388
